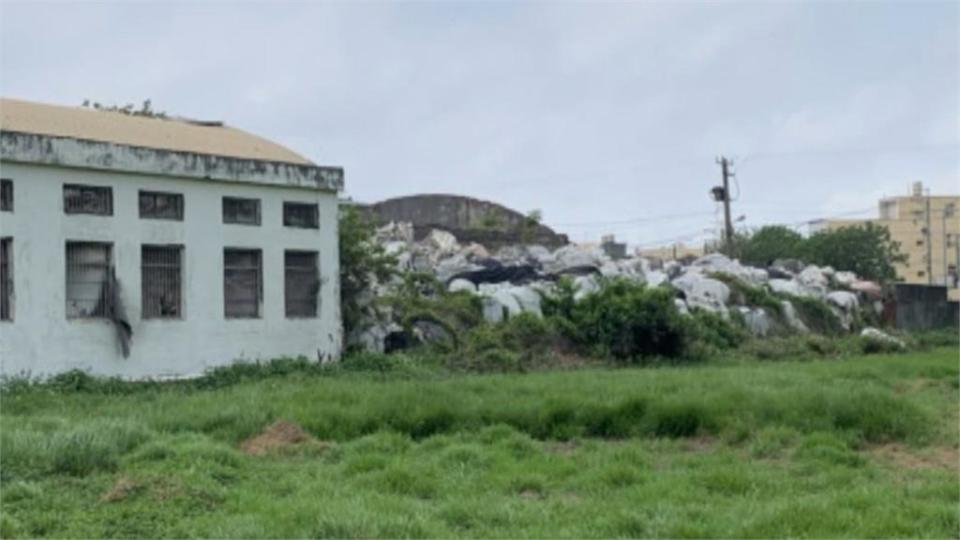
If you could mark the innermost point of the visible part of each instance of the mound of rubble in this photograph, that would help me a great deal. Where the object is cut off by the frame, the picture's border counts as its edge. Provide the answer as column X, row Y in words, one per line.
column 511, row 280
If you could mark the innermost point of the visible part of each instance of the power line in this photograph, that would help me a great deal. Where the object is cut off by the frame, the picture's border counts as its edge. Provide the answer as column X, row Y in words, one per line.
column 633, row 220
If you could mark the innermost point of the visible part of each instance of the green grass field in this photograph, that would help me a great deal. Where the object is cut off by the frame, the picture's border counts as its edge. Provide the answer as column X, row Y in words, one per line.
column 860, row 447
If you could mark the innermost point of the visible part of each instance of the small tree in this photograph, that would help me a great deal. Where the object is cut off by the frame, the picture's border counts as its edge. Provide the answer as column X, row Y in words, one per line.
column 768, row 244
column 866, row 250
column 363, row 262
column 529, row 226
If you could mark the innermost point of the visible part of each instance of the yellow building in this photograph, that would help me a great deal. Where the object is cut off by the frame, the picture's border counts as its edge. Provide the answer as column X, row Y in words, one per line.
column 671, row 252
column 928, row 230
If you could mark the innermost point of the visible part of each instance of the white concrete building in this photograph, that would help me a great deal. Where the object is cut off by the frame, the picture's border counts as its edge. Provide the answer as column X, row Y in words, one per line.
column 147, row 247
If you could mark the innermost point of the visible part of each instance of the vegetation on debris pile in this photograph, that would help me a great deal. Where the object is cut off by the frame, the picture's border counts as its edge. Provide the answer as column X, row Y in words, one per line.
column 363, row 263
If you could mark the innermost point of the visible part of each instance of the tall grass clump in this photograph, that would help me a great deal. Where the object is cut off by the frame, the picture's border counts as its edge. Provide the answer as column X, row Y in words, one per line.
column 96, row 445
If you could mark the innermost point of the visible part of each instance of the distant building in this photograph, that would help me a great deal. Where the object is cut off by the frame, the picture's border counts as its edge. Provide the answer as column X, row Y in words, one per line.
column 672, row 252
column 147, row 247
column 615, row 250
column 928, row 230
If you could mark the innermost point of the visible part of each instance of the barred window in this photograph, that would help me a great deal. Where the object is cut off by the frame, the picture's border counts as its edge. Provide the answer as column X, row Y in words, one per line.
column 302, row 283
column 161, row 283
column 158, row 205
column 242, row 283
column 6, row 195
column 241, row 211
column 6, row 279
column 88, row 279
column 97, row 200
column 303, row 215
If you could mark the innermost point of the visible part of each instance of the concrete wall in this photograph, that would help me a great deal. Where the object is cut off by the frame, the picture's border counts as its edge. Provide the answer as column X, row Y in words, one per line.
column 469, row 219
column 923, row 307
column 41, row 340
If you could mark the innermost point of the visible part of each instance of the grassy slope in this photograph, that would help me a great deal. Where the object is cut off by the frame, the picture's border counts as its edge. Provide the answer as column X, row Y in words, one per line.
column 740, row 450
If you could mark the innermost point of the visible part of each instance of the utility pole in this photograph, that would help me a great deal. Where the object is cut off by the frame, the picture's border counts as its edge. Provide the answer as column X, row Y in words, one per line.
column 929, row 242
column 723, row 194
column 947, row 214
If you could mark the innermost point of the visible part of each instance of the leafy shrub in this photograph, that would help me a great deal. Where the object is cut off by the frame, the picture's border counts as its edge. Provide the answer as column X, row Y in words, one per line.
column 363, row 261
column 870, row 345
column 422, row 298
column 518, row 343
column 744, row 294
column 816, row 314
column 715, row 331
column 627, row 321
column 559, row 304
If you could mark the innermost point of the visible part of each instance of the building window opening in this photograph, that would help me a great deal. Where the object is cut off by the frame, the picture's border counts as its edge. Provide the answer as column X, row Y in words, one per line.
column 161, row 283
column 157, row 205
column 6, row 195
column 301, row 283
column 241, row 211
column 242, row 283
column 6, row 279
column 302, row 215
column 89, row 280
column 96, row 200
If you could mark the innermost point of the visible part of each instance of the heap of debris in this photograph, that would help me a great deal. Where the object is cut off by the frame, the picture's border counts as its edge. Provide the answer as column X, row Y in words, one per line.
column 511, row 280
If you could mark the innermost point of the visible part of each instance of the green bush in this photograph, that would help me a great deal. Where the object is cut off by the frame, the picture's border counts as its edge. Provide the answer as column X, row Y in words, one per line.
column 878, row 346
column 816, row 314
column 628, row 322
column 713, row 330
column 747, row 295
column 423, row 298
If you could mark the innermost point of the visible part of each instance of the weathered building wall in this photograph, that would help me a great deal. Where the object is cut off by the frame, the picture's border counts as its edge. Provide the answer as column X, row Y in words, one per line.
column 923, row 307
column 41, row 340
column 469, row 219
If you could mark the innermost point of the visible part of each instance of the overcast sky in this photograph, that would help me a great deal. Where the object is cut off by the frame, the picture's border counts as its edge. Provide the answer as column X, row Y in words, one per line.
column 605, row 116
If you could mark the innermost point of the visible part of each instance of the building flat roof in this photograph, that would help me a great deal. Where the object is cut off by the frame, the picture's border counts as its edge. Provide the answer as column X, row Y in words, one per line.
column 179, row 135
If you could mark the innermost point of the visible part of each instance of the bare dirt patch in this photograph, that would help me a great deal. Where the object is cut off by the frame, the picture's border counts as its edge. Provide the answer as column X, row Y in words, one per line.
column 703, row 443
column 904, row 457
column 911, row 386
column 121, row 489
column 278, row 437
column 531, row 494
column 565, row 448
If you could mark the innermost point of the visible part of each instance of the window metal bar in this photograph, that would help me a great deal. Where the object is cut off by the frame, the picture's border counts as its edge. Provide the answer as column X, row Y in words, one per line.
column 301, row 283
column 241, row 211
column 161, row 282
column 82, row 199
column 6, row 195
column 242, row 283
column 88, row 292
column 6, row 279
